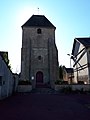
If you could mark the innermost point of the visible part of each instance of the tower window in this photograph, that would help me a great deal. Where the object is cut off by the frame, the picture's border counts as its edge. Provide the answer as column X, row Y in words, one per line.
column 39, row 31
column 0, row 80
column 39, row 57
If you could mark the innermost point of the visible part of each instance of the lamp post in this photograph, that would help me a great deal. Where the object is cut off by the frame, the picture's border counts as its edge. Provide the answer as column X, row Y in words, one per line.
column 70, row 59
column 70, row 67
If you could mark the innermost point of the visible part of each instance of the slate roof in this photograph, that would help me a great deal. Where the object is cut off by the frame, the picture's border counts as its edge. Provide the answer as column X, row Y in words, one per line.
column 69, row 70
column 84, row 41
column 38, row 21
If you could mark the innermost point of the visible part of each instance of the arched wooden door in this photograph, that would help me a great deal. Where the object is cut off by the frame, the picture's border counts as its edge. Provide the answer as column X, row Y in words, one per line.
column 39, row 77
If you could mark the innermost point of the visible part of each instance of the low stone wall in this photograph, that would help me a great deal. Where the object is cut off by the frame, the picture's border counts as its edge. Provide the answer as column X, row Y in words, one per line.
column 73, row 87
column 24, row 88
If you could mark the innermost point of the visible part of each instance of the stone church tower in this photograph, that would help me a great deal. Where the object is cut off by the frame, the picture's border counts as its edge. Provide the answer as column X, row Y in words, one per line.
column 39, row 55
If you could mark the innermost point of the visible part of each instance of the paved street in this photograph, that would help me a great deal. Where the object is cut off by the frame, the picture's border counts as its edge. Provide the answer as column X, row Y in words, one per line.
column 31, row 106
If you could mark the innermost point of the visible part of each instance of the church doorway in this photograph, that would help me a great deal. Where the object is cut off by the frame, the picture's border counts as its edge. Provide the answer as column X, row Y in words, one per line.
column 39, row 77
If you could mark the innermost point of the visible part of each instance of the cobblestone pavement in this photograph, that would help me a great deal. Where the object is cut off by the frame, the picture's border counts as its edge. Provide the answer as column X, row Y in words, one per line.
column 31, row 106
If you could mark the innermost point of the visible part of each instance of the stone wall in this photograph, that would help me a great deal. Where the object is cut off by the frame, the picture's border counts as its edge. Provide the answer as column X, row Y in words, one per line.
column 16, row 81
column 83, row 78
column 24, row 88
column 35, row 45
column 73, row 87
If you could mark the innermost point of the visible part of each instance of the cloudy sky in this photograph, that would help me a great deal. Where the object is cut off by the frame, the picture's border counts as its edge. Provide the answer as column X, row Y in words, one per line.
column 71, row 18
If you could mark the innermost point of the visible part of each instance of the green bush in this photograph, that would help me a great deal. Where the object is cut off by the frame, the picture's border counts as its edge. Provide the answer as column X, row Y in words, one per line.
column 81, row 82
column 64, row 82
column 66, row 89
column 24, row 82
column 61, row 82
column 57, row 82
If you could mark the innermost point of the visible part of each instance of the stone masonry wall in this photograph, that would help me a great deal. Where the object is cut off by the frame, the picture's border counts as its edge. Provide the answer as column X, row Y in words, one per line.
column 35, row 45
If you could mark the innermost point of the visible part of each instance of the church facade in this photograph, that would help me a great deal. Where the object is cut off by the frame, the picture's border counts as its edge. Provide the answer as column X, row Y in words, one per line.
column 39, row 54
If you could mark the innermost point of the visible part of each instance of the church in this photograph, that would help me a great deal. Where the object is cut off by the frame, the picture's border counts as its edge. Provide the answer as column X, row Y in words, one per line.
column 39, row 54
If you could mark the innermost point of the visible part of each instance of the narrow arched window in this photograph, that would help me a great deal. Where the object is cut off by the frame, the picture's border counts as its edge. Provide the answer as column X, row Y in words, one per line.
column 39, row 31
column 39, row 57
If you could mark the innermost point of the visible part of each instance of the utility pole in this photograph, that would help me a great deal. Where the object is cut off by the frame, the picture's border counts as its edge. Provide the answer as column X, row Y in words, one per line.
column 38, row 11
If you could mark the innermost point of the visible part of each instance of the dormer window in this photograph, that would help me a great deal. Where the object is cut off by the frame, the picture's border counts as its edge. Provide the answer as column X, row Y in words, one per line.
column 39, row 31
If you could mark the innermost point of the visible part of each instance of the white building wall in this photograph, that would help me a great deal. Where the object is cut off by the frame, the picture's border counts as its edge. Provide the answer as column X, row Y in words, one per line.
column 88, row 61
column 82, row 73
column 6, row 88
column 83, row 62
column 75, row 76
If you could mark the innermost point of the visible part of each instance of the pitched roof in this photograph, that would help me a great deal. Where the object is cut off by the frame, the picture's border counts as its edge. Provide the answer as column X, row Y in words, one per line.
column 38, row 21
column 84, row 41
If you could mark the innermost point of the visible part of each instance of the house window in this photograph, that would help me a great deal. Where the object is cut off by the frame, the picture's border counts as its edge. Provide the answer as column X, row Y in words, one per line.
column 0, row 80
column 89, row 51
column 39, row 31
column 39, row 57
column 3, row 82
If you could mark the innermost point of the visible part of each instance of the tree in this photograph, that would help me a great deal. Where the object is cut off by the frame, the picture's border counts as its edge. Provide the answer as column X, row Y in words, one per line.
column 61, row 70
column 5, row 56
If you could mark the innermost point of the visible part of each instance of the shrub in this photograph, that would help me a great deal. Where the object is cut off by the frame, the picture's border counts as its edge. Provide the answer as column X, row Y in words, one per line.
column 24, row 82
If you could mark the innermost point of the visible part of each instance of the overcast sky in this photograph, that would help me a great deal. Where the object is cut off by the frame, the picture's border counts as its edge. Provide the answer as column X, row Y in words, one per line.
column 71, row 18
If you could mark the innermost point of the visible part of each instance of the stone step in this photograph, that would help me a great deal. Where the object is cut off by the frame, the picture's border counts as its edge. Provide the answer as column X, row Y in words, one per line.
column 41, row 85
column 44, row 91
